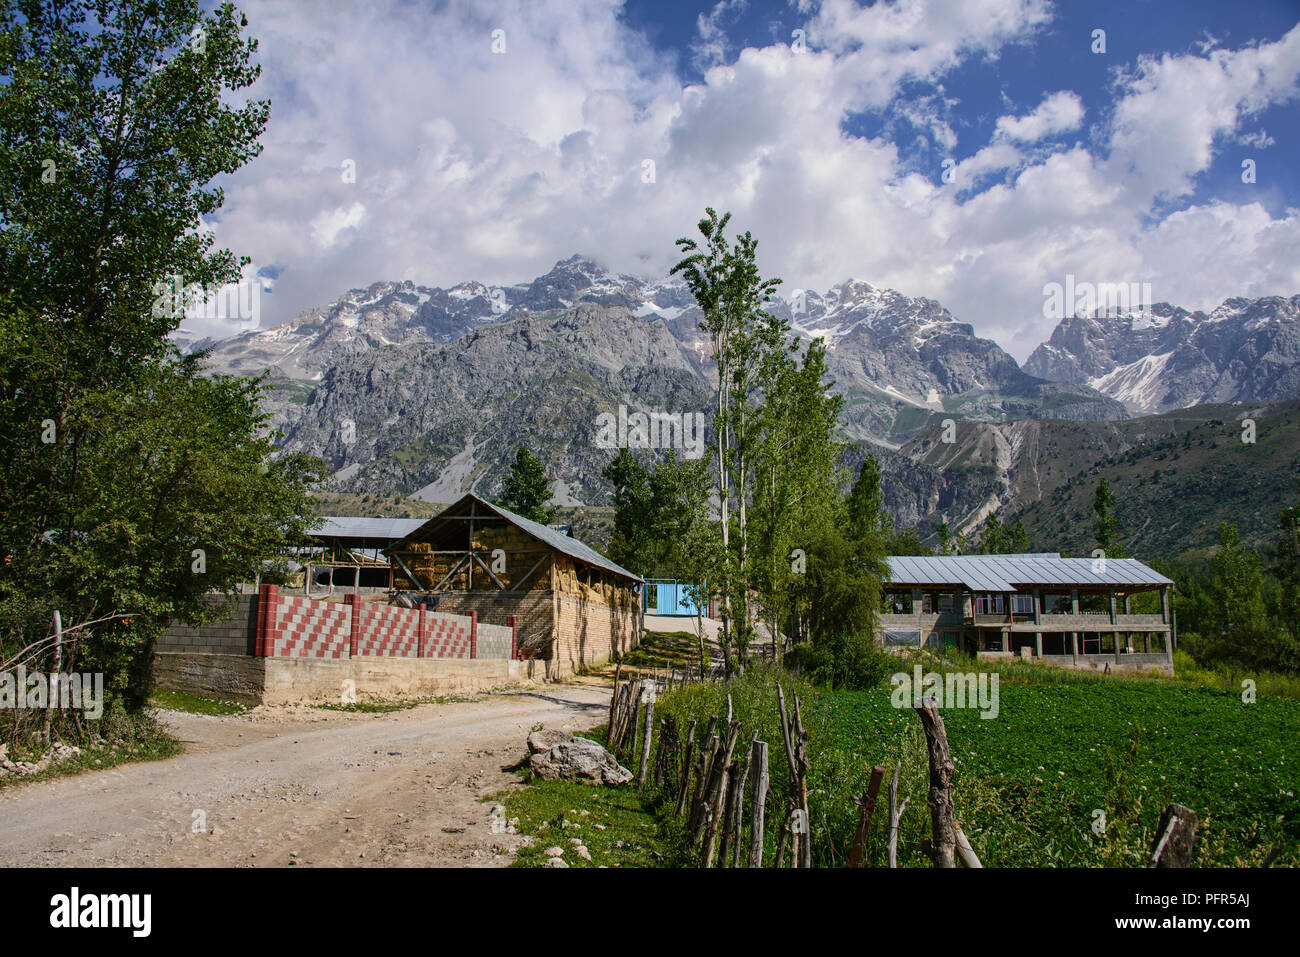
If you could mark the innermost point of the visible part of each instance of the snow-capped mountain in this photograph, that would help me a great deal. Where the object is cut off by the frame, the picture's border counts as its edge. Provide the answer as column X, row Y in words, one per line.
column 1165, row 357
column 403, row 313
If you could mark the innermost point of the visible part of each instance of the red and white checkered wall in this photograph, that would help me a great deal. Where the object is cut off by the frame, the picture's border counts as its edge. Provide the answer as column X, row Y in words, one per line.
column 292, row 626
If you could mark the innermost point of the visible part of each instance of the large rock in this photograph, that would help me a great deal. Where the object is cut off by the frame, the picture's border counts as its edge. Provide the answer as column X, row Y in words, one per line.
column 575, row 759
column 539, row 742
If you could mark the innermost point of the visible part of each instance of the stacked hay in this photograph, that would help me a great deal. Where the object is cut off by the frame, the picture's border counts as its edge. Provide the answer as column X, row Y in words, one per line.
column 430, row 568
column 513, row 541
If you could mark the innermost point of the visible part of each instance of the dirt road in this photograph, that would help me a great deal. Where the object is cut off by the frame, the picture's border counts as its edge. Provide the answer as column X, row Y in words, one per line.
column 302, row 787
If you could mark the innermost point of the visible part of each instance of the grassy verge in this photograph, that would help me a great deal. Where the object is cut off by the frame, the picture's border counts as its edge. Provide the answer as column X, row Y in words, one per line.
column 171, row 700
column 117, row 739
column 657, row 649
column 619, row 827
column 1222, row 678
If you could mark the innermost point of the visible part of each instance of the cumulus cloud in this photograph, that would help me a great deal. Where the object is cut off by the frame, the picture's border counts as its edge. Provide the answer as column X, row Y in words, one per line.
column 471, row 164
column 1058, row 113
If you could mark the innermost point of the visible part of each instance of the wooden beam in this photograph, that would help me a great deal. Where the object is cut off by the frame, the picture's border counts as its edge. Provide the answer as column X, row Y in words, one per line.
column 455, row 568
column 536, row 565
column 500, row 584
column 409, row 574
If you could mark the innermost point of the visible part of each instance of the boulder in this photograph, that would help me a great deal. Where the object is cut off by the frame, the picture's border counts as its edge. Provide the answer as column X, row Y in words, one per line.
column 540, row 742
column 577, row 759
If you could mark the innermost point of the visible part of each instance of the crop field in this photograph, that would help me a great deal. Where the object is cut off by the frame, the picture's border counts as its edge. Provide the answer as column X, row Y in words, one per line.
column 1073, row 771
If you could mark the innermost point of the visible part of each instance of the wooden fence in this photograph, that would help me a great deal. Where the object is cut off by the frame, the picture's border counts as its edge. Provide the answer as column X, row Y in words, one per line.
column 720, row 789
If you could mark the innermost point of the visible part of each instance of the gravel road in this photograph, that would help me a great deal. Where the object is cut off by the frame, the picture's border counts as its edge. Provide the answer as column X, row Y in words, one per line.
column 300, row 787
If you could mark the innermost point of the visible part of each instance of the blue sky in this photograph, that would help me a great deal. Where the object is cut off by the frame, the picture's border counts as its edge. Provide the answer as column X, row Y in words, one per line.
column 604, row 128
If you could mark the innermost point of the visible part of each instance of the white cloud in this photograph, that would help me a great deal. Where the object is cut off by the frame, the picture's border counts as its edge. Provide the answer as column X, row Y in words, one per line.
column 1172, row 109
column 326, row 227
column 1058, row 113
column 472, row 165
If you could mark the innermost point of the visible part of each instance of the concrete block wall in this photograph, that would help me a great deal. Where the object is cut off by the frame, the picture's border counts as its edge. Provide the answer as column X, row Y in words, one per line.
column 234, row 634
column 273, row 624
column 384, row 630
column 496, row 641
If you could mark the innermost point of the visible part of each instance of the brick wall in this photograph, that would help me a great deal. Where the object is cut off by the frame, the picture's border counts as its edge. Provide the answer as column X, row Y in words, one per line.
column 589, row 633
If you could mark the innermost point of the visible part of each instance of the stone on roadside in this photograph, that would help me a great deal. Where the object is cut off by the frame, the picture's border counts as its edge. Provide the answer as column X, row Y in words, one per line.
column 576, row 759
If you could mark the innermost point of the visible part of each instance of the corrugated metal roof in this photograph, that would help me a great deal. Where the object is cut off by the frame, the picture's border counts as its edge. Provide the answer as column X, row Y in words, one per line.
column 344, row 526
column 1004, row 572
column 557, row 540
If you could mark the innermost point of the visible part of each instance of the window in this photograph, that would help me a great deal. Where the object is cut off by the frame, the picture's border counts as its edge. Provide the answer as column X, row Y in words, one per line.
column 1057, row 603
column 1022, row 604
column 898, row 603
column 989, row 603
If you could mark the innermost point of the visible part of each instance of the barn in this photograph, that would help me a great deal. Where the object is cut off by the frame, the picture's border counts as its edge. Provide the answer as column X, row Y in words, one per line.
column 571, row 605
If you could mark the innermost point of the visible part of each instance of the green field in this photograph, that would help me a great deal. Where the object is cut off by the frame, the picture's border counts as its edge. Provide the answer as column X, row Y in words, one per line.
column 1031, row 781
column 1066, row 754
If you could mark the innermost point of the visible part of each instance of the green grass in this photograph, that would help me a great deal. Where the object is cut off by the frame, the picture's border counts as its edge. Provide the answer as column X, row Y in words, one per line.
column 657, row 649
column 1224, row 678
column 1029, row 782
column 194, row 704
column 123, row 740
column 620, row 828
column 1032, row 784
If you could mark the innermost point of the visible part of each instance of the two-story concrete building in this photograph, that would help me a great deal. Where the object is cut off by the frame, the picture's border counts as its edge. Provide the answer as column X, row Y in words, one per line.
column 1077, row 612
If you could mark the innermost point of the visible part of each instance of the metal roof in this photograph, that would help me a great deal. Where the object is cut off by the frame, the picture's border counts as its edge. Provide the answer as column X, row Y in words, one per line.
column 390, row 529
column 1005, row 572
column 549, row 536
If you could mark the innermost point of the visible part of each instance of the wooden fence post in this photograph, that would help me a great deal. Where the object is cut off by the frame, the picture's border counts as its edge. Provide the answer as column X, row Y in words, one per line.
column 1176, row 837
column 796, row 752
column 964, row 850
column 648, row 693
column 685, row 770
column 941, row 778
column 895, row 814
column 760, row 799
column 867, row 803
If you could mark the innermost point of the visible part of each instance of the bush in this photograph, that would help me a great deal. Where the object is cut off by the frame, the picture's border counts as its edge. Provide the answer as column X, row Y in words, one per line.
column 844, row 661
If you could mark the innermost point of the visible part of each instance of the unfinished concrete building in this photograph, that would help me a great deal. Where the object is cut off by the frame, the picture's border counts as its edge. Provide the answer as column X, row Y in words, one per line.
column 1076, row 612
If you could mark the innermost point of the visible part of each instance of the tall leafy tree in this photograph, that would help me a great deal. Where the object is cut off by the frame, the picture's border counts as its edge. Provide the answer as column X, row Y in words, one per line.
column 1103, row 504
column 133, row 485
column 869, row 518
column 1233, row 611
column 630, row 544
column 797, row 476
column 527, row 490
column 726, row 283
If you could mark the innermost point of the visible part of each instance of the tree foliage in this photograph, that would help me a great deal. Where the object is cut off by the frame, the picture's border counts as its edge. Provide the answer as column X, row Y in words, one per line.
column 134, row 485
column 527, row 490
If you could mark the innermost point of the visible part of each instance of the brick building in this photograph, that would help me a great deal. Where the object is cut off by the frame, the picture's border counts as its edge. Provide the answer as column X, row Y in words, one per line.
column 572, row 606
